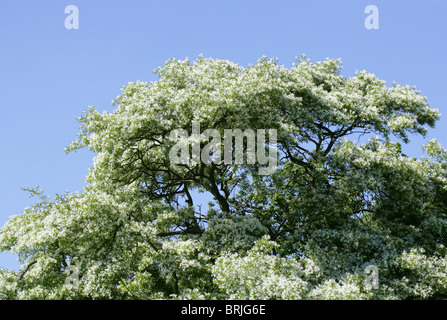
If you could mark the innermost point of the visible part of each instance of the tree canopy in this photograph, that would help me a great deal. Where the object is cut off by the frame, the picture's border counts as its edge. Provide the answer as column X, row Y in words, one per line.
column 344, row 203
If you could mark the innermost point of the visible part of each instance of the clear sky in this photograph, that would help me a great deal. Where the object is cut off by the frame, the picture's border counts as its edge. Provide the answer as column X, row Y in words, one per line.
column 49, row 74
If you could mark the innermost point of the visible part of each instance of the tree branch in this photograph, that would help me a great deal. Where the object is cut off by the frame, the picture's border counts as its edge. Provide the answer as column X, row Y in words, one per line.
column 22, row 274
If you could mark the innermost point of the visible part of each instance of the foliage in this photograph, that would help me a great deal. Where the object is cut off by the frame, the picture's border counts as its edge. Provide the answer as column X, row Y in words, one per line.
column 333, row 207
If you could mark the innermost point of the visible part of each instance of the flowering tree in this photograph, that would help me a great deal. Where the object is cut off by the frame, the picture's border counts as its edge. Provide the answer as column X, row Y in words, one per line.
column 336, row 219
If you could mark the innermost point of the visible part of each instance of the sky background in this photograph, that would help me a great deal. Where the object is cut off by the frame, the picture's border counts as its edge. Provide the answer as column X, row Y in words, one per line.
column 49, row 75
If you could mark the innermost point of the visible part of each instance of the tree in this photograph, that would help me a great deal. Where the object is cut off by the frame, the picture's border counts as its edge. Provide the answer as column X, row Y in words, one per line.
column 332, row 209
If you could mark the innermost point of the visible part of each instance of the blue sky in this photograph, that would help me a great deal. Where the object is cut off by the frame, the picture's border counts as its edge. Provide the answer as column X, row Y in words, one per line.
column 49, row 75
